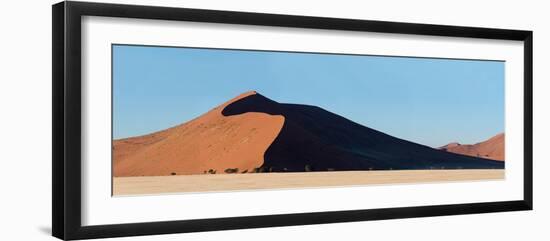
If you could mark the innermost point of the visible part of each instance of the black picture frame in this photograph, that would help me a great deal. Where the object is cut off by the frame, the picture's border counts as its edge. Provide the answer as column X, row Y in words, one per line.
column 66, row 76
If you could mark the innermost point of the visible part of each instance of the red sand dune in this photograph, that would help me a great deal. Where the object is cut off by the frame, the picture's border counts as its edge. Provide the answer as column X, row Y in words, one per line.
column 252, row 131
column 492, row 148
column 211, row 141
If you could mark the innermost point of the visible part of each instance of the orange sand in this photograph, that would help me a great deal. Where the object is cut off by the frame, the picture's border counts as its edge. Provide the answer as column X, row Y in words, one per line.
column 489, row 149
column 211, row 141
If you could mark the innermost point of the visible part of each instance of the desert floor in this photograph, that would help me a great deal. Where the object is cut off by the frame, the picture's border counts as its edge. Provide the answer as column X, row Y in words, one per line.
column 229, row 182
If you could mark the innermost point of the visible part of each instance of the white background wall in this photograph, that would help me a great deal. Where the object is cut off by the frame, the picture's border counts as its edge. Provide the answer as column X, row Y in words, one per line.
column 25, row 119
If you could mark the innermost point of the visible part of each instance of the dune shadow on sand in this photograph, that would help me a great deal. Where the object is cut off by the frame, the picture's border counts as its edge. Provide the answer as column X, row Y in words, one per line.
column 314, row 139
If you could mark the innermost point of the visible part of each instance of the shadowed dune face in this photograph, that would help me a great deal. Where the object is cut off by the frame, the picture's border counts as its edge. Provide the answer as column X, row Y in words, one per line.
column 492, row 148
column 209, row 142
column 312, row 138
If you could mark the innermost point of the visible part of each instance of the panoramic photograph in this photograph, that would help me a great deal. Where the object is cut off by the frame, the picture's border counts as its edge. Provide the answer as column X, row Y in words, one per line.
column 205, row 120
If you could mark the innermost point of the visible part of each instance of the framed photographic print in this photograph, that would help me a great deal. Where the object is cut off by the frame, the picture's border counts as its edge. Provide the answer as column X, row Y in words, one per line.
column 160, row 114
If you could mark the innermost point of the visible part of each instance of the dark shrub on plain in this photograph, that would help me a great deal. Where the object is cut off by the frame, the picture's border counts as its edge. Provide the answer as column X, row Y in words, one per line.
column 231, row 170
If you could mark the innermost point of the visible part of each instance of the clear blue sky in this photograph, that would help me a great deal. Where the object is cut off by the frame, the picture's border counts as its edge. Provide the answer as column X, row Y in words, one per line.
column 428, row 101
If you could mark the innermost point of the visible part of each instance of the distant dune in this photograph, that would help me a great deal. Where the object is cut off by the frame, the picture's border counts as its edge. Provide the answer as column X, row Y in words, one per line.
column 252, row 133
column 493, row 148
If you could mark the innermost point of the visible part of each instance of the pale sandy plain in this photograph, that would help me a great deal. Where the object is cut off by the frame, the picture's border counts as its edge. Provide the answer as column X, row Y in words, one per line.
column 255, row 181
